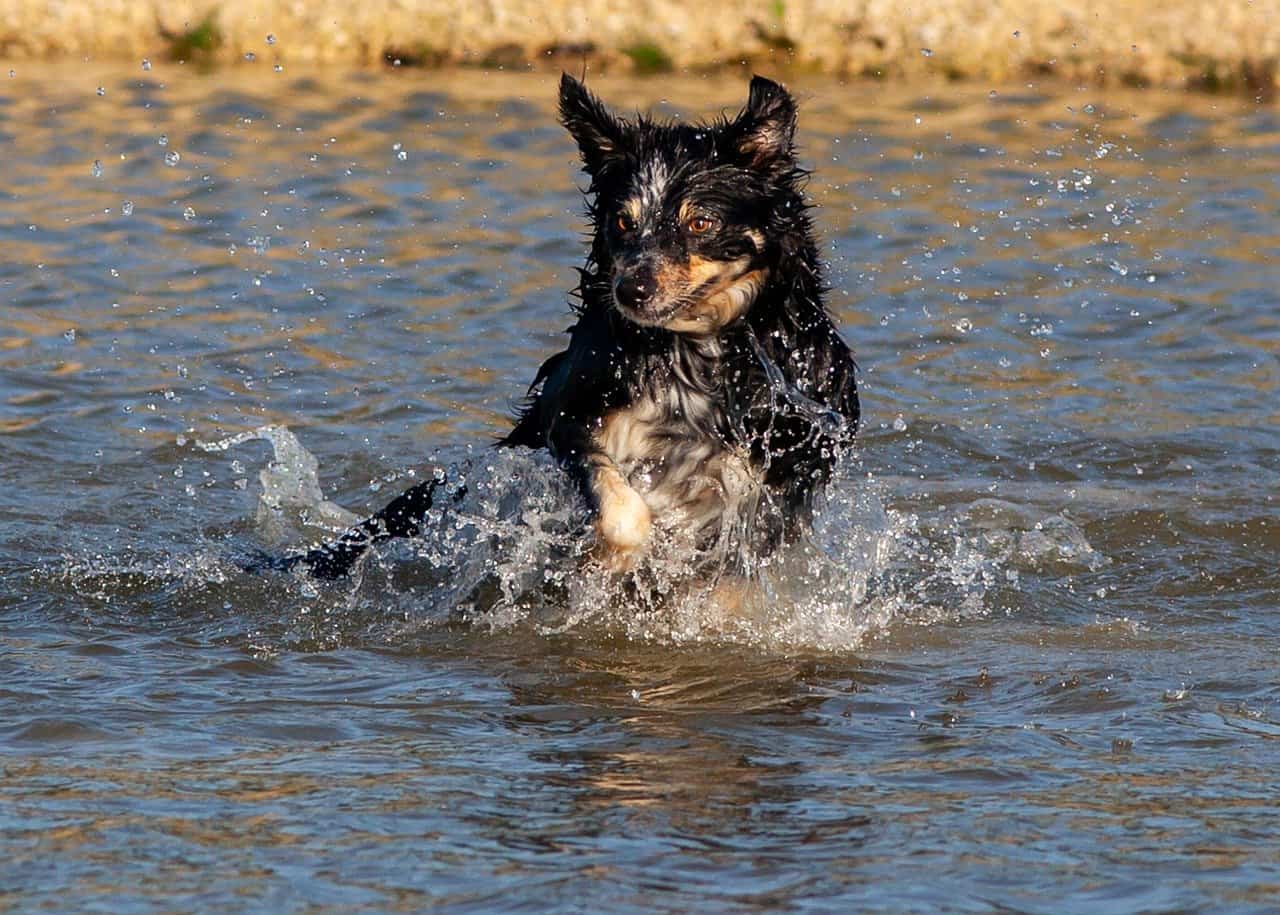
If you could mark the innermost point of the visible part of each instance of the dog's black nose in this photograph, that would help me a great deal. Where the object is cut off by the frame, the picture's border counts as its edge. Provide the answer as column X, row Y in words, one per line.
column 632, row 289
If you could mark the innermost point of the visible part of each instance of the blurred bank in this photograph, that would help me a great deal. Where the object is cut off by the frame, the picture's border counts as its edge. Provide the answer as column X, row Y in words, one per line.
column 1229, row 46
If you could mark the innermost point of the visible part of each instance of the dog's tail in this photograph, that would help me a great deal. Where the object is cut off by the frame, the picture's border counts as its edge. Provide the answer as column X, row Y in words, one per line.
column 401, row 517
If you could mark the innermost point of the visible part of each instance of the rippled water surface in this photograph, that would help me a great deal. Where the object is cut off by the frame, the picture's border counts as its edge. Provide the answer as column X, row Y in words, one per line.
column 1031, row 661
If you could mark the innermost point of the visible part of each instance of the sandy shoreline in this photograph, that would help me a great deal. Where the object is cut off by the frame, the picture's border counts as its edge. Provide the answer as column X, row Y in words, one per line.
column 1232, row 46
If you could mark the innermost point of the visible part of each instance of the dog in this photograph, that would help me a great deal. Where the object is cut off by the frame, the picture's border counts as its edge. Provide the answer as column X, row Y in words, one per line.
column 705, row 392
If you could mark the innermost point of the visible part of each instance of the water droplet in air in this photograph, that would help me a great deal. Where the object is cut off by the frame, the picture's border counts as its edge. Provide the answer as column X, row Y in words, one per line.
column 271, row 39
column 171, row 158
column 70, row 335
column 189, row 214
column 127, row 208
column 402, row 156
column 279, row 68
column 96, row 170
column 964, row 325
column 164, row 140
column 250, row 56
column 146, row 64
column 102, row 90
column 899, row 424
column 927, row 52
column 992, row 94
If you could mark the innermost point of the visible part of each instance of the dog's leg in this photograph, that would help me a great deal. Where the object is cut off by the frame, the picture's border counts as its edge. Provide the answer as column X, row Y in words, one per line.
column 623, row 519
column 401, row 517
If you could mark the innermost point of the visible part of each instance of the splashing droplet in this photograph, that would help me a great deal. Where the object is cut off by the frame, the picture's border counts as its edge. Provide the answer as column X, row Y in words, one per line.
column 171, row 158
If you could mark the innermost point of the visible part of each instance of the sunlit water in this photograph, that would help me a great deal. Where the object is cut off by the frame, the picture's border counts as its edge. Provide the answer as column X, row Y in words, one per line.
column 1029, row 661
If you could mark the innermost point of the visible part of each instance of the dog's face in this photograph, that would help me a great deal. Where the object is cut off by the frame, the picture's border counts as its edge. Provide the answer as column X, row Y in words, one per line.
column 683, row 212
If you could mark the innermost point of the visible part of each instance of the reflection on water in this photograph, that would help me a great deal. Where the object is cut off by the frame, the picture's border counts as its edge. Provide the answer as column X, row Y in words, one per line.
column 1029, row 655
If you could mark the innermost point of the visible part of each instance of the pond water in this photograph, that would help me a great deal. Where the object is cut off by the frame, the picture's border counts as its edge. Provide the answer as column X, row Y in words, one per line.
column 1031, row 662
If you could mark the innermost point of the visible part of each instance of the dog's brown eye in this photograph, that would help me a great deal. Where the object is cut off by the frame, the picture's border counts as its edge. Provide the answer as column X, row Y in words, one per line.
column 623, row 223
column 700, row 225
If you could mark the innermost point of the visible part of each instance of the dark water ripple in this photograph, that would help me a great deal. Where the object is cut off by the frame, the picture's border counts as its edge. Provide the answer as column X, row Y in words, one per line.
column 1056, row 688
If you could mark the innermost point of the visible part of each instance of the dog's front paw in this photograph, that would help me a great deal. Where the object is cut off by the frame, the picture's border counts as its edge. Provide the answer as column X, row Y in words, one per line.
column 624, row 520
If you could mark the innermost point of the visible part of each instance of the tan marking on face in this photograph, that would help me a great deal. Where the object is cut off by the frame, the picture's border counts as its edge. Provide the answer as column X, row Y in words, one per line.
column 757, row 239
column 703, row 271
column 673, row 280
column 722, row 305
column 725, row 289
column 686, row 211
column 632, row 209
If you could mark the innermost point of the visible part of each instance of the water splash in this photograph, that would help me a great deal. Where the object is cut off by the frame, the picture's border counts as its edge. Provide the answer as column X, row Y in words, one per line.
column 508, row 545
column 291, row 500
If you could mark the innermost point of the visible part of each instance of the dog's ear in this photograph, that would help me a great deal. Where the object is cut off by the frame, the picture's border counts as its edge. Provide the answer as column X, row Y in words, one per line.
column 599, row 134
column 765, row 130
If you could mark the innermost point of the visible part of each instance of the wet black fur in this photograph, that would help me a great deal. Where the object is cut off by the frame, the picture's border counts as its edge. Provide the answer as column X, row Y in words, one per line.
column 781, row 379
column 778, row 383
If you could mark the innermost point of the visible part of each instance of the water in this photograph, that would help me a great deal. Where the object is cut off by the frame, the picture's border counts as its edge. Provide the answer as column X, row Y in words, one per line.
column 1029, row 663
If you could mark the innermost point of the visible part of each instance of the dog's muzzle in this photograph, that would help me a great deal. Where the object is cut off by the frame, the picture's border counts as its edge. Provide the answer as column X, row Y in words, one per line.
column 633, row 289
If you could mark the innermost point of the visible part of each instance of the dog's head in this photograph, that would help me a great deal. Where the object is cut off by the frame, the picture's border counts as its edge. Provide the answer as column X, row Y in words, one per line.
column 689, row 219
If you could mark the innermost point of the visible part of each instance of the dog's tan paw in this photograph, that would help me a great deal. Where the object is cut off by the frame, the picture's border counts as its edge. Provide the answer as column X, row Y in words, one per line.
column 624, row 521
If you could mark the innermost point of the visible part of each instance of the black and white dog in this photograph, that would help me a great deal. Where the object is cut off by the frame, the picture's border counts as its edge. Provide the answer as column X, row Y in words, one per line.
column 704, row 391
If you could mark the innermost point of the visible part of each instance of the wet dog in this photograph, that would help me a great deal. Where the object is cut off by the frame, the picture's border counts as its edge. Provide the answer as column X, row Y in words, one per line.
column 705, row 392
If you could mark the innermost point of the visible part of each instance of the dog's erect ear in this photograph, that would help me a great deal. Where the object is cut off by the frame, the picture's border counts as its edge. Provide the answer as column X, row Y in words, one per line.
column 765, row 129
column 599, row 134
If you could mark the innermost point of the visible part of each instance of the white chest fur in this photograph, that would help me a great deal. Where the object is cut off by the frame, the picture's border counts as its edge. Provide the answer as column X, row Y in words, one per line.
column 666, row 449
